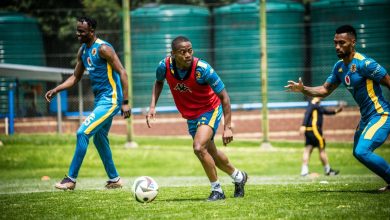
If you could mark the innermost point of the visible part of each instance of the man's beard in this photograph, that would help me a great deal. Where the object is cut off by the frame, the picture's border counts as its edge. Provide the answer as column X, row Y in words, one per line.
column 343, row 55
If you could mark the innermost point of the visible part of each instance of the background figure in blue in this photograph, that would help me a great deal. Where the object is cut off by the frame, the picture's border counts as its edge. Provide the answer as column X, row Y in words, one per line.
column 312, row 128
column 362, row 76
column 110, row 87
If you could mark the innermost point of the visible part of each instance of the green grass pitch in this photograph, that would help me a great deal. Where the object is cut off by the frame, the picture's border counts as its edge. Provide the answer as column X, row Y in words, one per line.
column 274, row 191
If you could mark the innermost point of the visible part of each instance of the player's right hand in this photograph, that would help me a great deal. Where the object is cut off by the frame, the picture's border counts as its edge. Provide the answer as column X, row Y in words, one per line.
column 150, row 116
column 294, row 86
column 227, row 136
column 50, row 94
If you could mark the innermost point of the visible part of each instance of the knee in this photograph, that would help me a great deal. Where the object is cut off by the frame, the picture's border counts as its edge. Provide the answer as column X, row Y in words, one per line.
column 96, row 138
column 199, row 149
column 361, row 154
column 81, row 135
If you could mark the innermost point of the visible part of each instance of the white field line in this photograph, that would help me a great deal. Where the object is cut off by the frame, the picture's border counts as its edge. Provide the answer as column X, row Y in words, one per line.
column 36, row 185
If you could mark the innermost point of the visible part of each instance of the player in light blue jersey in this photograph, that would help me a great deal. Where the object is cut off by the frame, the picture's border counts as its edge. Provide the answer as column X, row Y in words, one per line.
column 110, row 87
column 362, row 76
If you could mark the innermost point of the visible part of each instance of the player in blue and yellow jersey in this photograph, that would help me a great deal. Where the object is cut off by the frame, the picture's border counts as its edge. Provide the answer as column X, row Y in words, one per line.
column 312, row 129
column 110, row 87
column 201, row 98
column 362, row 76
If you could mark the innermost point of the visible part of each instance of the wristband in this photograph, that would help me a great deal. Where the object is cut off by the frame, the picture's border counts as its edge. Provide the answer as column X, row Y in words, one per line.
column 125, row 102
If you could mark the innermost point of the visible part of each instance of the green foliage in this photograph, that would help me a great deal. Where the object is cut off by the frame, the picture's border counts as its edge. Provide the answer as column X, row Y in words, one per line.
column 274, row 190
column 107, row 13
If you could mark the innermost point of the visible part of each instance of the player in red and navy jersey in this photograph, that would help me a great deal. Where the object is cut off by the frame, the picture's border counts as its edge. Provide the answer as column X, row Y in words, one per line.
column 201, row 98
column 363, row 77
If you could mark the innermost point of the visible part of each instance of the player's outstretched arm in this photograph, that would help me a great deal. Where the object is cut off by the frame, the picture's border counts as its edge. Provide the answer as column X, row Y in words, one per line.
column 157, row 88
column 71, row 81
column 318, row 91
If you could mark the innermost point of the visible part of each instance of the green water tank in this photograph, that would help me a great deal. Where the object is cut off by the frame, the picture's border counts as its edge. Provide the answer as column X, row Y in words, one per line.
column 237, row 50
column 371, row 20
column 153, row 28
column 20, row 40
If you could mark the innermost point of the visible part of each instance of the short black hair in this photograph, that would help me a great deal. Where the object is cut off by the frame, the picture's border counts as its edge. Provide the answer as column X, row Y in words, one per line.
column 177, row 40
column 346, row 29
column 90, row 21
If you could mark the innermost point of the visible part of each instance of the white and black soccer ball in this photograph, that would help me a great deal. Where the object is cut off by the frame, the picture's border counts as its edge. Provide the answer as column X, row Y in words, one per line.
column 145, row 189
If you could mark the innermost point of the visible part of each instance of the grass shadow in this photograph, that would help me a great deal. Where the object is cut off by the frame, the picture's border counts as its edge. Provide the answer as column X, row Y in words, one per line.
column 346, row 191
column 184, row 199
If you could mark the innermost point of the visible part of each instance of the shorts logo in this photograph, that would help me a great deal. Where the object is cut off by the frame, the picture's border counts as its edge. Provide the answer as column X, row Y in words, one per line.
column 347, row 80
column 353, row 68
column 93, row 51
column 89, row 61
column 181, row 87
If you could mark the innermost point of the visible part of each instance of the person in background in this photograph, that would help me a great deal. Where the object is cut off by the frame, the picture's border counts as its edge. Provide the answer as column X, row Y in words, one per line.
column 312, row 129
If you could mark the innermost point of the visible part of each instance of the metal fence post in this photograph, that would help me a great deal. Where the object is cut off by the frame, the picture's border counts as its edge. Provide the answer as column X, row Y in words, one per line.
column 59, row 114
column 11, row 108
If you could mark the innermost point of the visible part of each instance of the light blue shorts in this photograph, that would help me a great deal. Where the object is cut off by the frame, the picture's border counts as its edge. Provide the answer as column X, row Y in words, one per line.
column 373, row 133
column 210, row 118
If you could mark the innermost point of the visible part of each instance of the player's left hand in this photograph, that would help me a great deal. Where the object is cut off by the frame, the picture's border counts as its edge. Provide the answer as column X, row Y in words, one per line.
column 227, row 136
column 150, row 115
column 125, row 111
column 294, row 86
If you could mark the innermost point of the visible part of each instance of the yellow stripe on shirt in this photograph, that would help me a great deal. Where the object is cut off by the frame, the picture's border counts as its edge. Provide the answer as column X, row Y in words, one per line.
column 358, row 56
column 372, row 95
column 170, row 62
column 112, row 83
column 99, row 41
column 114, row 101
column 315, row 129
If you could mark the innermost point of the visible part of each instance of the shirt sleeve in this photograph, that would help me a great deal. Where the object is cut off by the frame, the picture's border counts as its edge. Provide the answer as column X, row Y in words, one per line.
column 207, row 75
column 332, row 78
column 373, row 70
column 306, row 119
column 160, row 71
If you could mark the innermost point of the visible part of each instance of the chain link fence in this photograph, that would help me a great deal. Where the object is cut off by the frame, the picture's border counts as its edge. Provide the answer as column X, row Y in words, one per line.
column 231, row 48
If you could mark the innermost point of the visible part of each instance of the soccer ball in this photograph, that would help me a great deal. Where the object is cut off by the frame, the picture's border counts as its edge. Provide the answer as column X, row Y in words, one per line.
column 145, row 189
